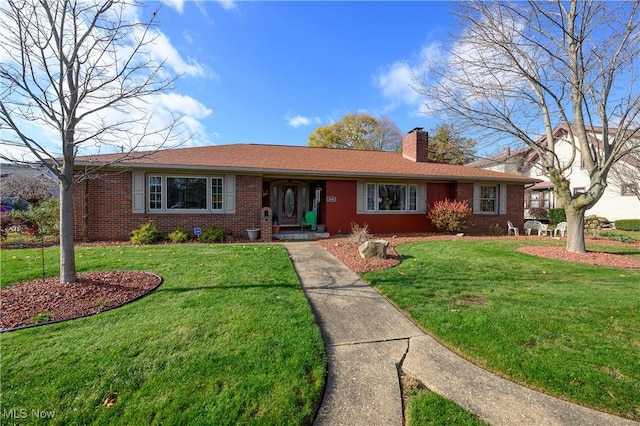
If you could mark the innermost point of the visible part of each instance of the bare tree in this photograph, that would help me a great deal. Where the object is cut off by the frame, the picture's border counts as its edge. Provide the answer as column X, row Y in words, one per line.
column 32, row 189
column 79, row 72
column 518, row 69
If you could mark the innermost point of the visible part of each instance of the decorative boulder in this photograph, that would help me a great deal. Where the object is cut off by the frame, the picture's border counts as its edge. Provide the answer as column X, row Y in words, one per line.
column 374, row 248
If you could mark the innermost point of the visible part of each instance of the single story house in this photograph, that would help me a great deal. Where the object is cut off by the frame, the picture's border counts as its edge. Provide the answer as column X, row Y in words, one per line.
column 235, row 186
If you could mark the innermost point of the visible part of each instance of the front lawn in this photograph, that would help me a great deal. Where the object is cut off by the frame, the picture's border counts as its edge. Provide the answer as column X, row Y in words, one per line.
column 227, row 339
column 568, row 329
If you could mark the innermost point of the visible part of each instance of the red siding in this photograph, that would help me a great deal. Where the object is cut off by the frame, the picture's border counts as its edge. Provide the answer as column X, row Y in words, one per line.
column 342, row 213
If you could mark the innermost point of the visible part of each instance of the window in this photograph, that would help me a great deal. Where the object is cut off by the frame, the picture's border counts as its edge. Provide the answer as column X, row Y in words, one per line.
column 579, row 190
column 488, row 198
column 390, row 197
column 217, row 193
column 189, row 193
column 539, row 199
column 155, row 193
column 628, row 189
column 186, row 193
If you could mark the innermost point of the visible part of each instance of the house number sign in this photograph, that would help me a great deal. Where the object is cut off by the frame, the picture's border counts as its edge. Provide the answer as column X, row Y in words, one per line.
column 331, row 199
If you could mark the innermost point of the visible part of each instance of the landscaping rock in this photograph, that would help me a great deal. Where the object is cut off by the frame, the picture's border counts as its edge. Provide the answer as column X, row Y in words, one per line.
column 374, row 248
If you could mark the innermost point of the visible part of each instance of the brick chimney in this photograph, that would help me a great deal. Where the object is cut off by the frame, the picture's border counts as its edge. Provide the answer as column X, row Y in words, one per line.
column 415, row 146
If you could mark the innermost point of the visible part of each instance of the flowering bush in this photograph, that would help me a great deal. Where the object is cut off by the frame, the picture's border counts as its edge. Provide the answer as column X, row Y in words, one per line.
column 451, row 216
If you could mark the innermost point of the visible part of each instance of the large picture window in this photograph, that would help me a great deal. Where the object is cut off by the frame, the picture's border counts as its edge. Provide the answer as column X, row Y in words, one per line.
column 391, row 197
column 186, row 193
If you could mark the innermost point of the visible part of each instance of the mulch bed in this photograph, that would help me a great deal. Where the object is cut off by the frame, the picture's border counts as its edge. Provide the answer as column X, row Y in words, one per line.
column 44, row 301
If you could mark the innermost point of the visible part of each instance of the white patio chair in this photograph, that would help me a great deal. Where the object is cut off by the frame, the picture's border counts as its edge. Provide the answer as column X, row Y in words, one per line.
column 544, row 229
column 512, row 229
column 561, row 228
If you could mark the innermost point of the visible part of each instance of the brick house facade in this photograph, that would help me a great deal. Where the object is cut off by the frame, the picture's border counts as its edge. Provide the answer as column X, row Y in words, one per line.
column 343, row 186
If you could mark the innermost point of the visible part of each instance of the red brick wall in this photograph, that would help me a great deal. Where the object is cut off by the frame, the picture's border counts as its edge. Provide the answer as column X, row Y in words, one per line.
column 111, row 217
column 515, row 209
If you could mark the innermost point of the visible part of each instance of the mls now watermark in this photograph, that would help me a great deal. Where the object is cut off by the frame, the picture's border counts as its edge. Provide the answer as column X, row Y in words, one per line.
column 24, row 413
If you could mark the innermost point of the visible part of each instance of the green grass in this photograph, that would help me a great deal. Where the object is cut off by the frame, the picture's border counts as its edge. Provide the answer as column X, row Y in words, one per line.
column 569, row 329
column 227, row 339
column 430, row 409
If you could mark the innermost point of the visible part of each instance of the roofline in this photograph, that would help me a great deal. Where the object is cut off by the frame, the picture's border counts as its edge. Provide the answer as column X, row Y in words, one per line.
column 293, row 172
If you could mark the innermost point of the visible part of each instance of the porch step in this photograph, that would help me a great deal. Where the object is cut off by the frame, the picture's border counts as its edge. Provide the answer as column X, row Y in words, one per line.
column 294, row 236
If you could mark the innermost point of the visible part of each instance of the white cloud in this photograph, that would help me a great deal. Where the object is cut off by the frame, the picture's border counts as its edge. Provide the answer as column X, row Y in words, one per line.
column 176, row 4
column 397, row 81
column 227, row 4
column 301, row 121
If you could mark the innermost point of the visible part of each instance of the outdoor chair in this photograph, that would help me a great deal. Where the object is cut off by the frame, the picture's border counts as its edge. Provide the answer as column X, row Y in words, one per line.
column 309, row 219
column 532, row 224
column 512, row 229
column 544, row 229
column 561, row 228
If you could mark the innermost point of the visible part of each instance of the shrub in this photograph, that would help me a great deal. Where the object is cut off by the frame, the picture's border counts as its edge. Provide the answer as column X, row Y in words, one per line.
column 617, row 236
column 451, row 216
column 539, row 213
column 557, row 215
column 179, row 236
column 496, row 230
column 146, row 234
column 213, row 234
column 45, row 218
column 359, row 234
column 628, row 224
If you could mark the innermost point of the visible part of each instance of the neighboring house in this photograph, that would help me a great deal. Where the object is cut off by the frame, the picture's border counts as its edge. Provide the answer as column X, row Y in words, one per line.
column 234, row 186
column 27, row 170
column 617, row 202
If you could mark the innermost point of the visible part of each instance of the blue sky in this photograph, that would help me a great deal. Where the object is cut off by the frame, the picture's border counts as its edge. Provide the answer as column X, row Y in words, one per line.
column 271, row 72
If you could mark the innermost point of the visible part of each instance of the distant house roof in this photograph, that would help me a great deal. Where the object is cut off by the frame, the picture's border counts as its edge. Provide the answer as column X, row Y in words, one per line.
column 298, row 160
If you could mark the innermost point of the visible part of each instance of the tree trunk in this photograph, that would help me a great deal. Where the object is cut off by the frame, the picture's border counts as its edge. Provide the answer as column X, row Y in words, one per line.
column 575, row 230
column 67, row 255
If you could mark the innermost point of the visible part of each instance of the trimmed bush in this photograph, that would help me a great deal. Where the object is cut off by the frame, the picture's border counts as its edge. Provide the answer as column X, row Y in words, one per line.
column 146, row 234
column 556, row 216
column 179, row 236
column 628, row 224
column 451, row 216
column 213, row 234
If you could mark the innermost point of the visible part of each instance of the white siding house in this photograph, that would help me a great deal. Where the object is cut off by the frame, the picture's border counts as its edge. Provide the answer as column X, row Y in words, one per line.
column 617, row 202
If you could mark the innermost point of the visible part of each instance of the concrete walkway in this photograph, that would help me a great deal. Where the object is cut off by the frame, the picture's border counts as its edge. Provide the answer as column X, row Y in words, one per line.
column 368, row 342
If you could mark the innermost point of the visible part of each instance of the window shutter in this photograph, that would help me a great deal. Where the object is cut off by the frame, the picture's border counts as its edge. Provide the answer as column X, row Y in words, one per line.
column 229, row 194
column 503, row 199
column 476, row 198
column 138, row 192
column 422, row 198
column 361, row 203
